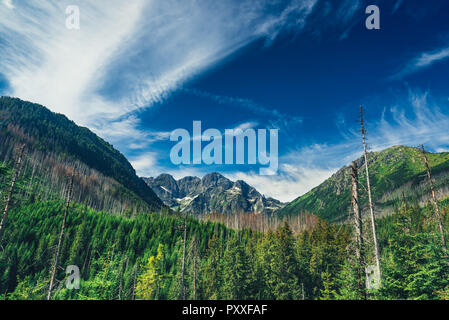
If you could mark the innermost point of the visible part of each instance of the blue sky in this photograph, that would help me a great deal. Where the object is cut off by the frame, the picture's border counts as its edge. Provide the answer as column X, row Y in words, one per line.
column 135, row 72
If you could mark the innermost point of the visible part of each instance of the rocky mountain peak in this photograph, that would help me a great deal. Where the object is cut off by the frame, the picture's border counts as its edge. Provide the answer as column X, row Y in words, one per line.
column 213, row 193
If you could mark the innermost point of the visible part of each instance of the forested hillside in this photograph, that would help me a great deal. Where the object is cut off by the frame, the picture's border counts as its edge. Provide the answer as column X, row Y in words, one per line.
column 55, row 147
column 395, row 172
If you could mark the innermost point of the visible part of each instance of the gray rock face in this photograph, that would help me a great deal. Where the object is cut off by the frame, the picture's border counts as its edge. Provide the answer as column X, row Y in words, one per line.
column 212, row 194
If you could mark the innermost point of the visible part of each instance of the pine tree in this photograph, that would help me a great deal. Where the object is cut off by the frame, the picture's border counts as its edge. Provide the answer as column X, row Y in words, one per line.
column 347, row 282
column 303, row 256
column 104, row 285
column 150, row 281
column 328, row 252
column 265, row 263
column 416, row 267
column 236, row 272
column 284, row 266
column 28, row 289
column 328, row 292
column 78, row 246
column 212, row 272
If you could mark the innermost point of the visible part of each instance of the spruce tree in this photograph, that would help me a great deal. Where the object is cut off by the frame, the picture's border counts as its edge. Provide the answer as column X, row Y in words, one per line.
column 151, row 280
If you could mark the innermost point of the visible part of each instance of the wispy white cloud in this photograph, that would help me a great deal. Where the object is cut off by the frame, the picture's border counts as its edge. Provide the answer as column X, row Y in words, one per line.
column 293, row 180
column 427, row 59
column 347, row 9
column 346, row 13
column 146, row 164
column 127, row 55
column 425, row 123
column 339, row 17
column 246, row 125
column 276, row 118
column 8, row 4
column 422, row 61
column 127, row 133
column 47, row 63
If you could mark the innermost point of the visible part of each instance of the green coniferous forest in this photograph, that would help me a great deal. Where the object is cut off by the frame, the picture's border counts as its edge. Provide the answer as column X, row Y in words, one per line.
column 140, row 258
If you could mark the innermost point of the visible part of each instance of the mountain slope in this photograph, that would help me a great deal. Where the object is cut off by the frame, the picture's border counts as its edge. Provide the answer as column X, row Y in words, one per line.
column 393, row 171
column 212, row 194
column 55, row 145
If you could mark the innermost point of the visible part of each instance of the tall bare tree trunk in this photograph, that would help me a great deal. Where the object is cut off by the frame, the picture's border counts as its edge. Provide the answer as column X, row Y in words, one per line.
column 194, row 279
column 193, row 250
column 183, row 293
column 371, row 206
column 357, row 224
column 434, row 198
column 11, row 190
column 61, row 235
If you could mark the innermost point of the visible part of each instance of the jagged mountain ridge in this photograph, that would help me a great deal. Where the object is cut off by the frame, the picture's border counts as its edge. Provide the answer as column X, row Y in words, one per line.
column 214, row 193
column 393, row 172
